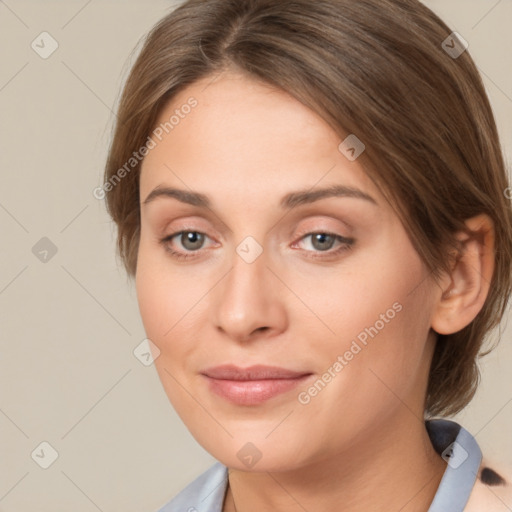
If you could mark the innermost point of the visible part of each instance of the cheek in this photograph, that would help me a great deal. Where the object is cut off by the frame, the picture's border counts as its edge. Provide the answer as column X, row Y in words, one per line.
column 378, row 319
column 158, row 293
column 163, row 305
column 149, row 296
column 377, row 364
column 368, row 293
column 171, row 306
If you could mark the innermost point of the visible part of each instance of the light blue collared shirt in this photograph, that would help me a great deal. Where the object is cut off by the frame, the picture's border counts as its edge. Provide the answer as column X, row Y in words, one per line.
column 455, row 444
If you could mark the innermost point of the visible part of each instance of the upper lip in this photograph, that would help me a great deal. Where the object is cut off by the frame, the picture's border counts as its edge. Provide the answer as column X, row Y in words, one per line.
column 256, row 372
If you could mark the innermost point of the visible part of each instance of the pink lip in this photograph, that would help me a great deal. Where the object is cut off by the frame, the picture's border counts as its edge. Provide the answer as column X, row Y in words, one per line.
column 252, row 385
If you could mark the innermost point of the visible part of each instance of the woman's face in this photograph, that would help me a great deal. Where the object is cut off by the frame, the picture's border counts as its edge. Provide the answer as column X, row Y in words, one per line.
column 277, row 274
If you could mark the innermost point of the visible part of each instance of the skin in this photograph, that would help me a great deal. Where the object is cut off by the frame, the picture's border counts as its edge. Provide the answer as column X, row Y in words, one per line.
column 246, row 145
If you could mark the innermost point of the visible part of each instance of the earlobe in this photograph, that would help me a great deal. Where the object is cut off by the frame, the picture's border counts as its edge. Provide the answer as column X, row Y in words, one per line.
column 464, row 290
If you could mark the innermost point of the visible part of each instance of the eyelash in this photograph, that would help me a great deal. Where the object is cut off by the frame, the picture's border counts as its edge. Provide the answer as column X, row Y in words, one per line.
column 346, row 244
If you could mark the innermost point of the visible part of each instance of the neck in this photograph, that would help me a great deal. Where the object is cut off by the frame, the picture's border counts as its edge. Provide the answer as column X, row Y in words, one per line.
column 390, row 468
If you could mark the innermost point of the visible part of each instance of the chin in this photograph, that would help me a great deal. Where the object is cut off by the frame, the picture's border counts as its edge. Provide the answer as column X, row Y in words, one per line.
column 254, row 453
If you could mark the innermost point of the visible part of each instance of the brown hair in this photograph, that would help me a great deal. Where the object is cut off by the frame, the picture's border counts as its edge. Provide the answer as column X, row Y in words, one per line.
column 375, row 68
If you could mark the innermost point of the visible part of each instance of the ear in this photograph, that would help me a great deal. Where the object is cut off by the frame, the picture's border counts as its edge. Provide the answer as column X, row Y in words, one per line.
column 463, row 292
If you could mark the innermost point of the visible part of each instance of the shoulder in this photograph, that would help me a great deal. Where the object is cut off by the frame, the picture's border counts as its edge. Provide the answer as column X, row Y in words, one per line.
column 205, row 493
column 492, row 491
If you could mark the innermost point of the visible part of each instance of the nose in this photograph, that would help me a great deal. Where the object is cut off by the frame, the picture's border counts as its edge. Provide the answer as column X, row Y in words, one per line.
column 248, row 303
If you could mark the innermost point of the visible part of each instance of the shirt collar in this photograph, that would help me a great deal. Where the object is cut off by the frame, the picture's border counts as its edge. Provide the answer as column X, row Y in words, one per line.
column 463, row 455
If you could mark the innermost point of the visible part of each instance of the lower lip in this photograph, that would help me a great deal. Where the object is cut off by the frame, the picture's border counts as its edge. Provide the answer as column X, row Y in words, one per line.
column 252, row 392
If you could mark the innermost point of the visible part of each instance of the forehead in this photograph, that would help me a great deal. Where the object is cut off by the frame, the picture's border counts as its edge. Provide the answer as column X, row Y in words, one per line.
column 245, row 134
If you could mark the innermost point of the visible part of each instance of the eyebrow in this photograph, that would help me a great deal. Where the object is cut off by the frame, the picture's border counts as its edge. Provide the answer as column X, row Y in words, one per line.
column 291, row 200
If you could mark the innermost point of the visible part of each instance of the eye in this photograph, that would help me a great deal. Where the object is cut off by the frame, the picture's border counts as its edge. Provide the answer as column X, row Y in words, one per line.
column 191, row 241
column 323, row 241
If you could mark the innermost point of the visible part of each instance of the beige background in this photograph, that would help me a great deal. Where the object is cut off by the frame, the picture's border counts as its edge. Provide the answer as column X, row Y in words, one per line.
column 68, row 327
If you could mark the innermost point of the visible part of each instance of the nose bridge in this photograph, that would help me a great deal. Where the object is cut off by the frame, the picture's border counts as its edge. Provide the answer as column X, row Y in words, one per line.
column 245, row 282
column 246, row 299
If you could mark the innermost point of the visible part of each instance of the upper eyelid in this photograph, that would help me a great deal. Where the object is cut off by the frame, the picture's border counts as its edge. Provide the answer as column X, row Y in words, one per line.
column 310, row 220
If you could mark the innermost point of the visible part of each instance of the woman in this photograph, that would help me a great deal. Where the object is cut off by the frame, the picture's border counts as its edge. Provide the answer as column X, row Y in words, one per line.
column 312, row 199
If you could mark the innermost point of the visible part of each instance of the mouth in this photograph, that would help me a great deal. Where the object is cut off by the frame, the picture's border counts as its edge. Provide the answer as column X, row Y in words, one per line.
column 253, row 385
